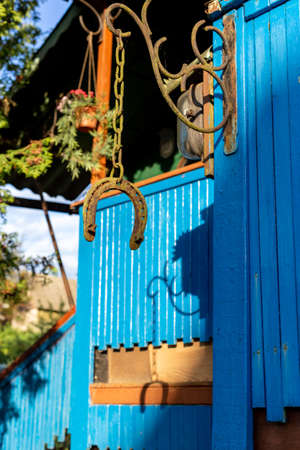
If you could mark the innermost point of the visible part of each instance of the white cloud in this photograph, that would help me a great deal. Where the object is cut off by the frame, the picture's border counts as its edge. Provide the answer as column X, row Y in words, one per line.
column 32, row 228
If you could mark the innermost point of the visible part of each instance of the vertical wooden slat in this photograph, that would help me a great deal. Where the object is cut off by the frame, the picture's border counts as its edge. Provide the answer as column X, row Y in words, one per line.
column 267, row 211
column 82, row 352
column 293, row 45
column 284, row 210
column 232, row 413
column 258, row 376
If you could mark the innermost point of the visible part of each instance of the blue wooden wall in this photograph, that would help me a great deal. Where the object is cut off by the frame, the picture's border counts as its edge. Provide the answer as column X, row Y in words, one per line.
column 157, row 428
column 256, row 270
column 159, row 293
column 35, row 396
column 232, row 408
column 273, row 69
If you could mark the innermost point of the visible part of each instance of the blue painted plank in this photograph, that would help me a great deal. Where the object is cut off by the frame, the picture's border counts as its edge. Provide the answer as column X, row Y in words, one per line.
column 267, row 211
column 82, row 351
column 102, row 280
column 232, row 412
column 29, row 392
column 284, row 210
column 253, row 9
column 159, row 186
column 258, row 377
column 114, row 322
column 293, row 45
column 156, row 428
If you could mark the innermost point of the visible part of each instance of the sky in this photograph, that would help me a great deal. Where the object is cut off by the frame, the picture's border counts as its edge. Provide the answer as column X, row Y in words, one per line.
column 30, row 224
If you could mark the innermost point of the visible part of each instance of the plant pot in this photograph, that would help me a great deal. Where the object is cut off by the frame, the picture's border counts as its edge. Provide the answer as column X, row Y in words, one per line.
column 85, row 119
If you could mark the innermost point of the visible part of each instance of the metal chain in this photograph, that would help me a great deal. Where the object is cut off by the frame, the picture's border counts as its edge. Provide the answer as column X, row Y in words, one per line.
column 118, row 119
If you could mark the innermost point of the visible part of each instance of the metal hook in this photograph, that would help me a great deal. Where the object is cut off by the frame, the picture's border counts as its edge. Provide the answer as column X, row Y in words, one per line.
column 98, row 31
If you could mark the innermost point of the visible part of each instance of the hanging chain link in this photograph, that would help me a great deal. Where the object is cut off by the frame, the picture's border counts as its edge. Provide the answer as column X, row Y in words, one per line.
column 118, row 118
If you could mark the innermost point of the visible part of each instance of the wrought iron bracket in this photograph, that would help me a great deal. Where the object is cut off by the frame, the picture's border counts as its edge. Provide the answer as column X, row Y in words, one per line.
column 200, row 64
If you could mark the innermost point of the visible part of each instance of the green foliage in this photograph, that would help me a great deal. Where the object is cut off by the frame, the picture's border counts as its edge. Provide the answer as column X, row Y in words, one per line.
column 67, row 135
column 104, row 142
column 5, row 199
column 15, row 272
column 18, row 33
column 14, row 342
column 31, row 161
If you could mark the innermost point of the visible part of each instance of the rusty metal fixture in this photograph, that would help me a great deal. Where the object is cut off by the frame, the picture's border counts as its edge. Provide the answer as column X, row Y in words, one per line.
column 230, row 129
column 114, row 182
column 138, row 200
column 89, row 59
column 100, row 26
column 212, row 6
column 160, row 71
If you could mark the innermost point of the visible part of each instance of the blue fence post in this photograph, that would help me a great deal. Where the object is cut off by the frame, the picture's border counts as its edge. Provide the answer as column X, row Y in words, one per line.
column 81, row 355
column 232, row 412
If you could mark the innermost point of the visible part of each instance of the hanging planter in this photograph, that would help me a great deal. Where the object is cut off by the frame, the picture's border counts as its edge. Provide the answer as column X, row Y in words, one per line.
column 80, row 111
column 83, row 106
column 86, row 120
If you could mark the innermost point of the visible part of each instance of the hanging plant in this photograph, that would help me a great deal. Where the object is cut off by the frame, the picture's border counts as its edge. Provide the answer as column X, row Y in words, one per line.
column 74, row 109
column 84, row 107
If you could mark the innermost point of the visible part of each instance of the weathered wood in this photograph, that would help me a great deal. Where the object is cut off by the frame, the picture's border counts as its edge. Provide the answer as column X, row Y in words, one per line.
column 185, row 363
column 180, row 364
column 163, row 176
column 150, row 394
column 277, row 436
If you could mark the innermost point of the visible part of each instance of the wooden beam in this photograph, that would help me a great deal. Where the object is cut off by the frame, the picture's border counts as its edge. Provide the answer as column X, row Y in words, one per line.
column 103, row 87
column 36, row 204
column 155, row 179
column 150, row 394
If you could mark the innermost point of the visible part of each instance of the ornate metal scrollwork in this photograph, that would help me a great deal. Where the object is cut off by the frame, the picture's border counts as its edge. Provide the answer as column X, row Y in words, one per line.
column 86, row 29
column 186, row 70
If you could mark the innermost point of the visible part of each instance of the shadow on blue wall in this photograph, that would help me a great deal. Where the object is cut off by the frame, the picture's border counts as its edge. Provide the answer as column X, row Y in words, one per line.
column 192, row 249
column 31, row 381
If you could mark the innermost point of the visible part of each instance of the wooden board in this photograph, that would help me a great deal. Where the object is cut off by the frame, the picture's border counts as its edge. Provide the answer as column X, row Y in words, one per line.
column 150, row 394
column 277, row 436
column 180, row 364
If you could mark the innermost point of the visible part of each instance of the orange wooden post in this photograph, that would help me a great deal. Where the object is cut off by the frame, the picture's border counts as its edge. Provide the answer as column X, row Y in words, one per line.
column 103, row 87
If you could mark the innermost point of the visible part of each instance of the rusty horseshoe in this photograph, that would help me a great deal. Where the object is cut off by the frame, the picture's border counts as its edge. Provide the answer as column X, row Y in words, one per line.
column 138, row 200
